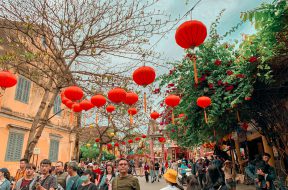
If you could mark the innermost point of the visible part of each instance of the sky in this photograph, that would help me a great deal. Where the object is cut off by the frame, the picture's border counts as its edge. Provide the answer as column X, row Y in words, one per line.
column 206, row 11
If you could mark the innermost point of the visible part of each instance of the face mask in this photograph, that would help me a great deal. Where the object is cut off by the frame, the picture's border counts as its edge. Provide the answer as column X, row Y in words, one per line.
column 84, row 178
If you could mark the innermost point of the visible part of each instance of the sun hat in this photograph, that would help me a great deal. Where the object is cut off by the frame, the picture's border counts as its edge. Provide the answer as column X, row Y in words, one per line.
column 171, row 176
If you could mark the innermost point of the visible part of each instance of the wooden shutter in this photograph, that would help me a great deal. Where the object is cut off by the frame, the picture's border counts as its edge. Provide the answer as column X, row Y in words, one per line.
column 23, row 90
column 57, row 105
column 14, row 146
column 53, row 151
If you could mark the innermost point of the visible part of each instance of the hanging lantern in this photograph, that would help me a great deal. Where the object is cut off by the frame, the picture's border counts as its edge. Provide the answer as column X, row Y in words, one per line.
column 162, row 140
column 204, row 102
column 131, row 98
column 131, row 112
column 110, row 108
column 86, row 105
column 154, row 115
column 73, row 93
column 191, row 34
column 130, row 141
column 88, row 145
column 117, row 95
column 172, row 101
column 69, row 104
column 137, row 139
column 181, row 115
column 98, row 101
column 76, row 107
column 97, row 140
column 144, row 136
column 116, row 144
column 144, row 76
column 123, row 143
column 109, row 146
column 64, row 100
column 7, row 79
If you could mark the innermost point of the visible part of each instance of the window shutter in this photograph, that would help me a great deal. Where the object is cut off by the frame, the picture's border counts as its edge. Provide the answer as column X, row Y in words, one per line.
column 14, row 146
column 53, row 151
column 57, row 105
column 23, row 90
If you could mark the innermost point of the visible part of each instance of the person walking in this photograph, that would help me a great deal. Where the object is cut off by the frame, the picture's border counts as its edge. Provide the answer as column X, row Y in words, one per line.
column 230, row 174
column 156, row 170
column 4, row 179
column 171, row 178
column 152, row 171
column 264, row 175
column 27, row 182
column 106, row 181
column 73, row 181
column 140, row 164
column 45, row 180
column 125, row 181
column 200, row 172
column 86, row 179
column 61, row 175
column 147, row 171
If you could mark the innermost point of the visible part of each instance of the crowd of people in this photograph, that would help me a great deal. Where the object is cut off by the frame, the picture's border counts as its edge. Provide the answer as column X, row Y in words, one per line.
column 201, row 174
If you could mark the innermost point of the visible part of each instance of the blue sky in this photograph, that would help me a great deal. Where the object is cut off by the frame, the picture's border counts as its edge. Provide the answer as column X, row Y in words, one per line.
column 206, row 11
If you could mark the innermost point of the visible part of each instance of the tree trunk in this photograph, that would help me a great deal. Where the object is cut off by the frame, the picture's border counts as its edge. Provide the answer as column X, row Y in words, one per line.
column 28, row 151
column 40, row 127
column 100, row 153
column 77, row 138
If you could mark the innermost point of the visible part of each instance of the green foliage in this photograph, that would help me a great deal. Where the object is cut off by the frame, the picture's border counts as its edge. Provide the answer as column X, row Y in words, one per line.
column 93, row 152
column 230, row 82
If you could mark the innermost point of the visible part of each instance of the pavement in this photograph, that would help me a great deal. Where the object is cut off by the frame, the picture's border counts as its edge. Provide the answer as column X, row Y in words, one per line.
column 158, row 185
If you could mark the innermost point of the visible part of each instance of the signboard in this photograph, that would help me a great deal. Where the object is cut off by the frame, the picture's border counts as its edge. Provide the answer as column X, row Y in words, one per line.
column 36, row 151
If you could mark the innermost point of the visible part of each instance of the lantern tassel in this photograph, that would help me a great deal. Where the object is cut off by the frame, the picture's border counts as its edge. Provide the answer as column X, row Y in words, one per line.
column 96, row 120
column 238, row 116
column 173, row 120
column 71, row 120
column 205, row 116
column 131, row 119
column 195, row 69
column 145, row 102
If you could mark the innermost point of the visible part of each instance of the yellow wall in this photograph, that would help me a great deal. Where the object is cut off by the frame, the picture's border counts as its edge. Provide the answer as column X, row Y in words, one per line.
column 18, row 114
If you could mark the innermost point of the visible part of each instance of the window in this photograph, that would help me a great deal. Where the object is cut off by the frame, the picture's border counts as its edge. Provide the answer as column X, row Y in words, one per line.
column 54, row 149
column 14, row 146
column 57, row 105
column 23, row 90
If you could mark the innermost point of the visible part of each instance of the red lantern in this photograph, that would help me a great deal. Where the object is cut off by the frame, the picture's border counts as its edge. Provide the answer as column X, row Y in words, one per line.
column 98, row 100
column 109, row 146
column 162, row 140
column 172, row 100
column 69, row 104
column 130, row 141
column 131, row 98
column 116, row 144
column 7, row 79
column 154, row 115
column 191, row 34
column 123, row 143
column 97, row 140
column 137, row 139
column 76, row 107
column 181, row 115
column 131, row 112
column 204, row 102
column 144, row 76
column 110, row 108
column 117, row 95
column 86, row 105
column 73, row 93
column 65, row 100
column 144, row 136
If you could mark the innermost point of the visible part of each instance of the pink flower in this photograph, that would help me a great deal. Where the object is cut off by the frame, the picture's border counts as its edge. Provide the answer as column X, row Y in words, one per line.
column 225, row 83
column 240, row 76
column 218, row 62
column 253, row 59
column 248, row 98
column 171, row 71
column 203, row 77
column 220, row 82
column 210, row 85
column 229, row 88
column 189, row 55
column 173, row 130
column 229, row 72
column 170, row 85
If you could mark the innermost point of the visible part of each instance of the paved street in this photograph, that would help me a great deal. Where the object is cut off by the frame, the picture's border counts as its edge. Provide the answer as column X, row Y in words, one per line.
column 161, row 184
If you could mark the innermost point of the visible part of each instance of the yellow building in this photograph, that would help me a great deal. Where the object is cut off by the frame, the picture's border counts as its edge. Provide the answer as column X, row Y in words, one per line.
column 19, row 105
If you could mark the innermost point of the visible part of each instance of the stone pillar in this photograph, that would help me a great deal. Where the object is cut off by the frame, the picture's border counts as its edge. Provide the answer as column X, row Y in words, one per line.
column 268, row 149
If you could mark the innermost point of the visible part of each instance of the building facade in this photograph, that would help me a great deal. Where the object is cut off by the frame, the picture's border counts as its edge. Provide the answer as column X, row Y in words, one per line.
column 18, row 107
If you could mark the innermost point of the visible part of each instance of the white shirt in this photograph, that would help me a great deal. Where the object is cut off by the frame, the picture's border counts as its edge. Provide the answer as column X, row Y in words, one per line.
column 170, row 187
